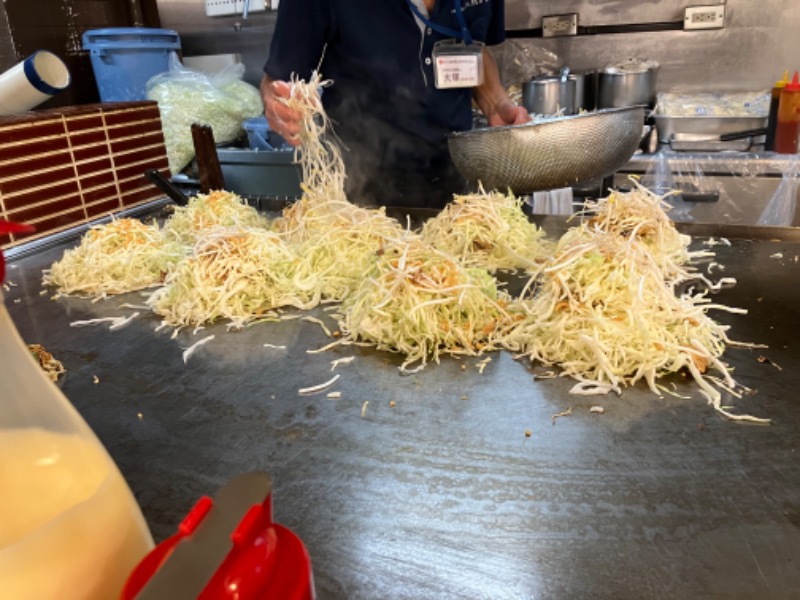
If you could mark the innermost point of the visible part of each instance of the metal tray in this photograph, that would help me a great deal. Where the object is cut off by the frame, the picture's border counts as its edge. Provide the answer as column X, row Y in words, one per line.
column 668, row 126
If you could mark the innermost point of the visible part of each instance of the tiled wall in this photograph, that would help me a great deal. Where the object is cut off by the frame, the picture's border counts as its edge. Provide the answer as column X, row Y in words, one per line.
column 65, row 167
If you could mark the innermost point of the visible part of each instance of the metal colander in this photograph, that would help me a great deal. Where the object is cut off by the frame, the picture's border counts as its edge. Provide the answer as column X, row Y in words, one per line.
column 550, row 154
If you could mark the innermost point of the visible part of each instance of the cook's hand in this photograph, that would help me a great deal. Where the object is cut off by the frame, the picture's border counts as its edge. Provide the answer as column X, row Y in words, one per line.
column 508, row 113
column 282, row 120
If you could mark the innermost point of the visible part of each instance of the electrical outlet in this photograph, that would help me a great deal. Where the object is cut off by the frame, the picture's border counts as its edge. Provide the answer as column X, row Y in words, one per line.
column 557, row 25
column 704, row 17
column 227, row 8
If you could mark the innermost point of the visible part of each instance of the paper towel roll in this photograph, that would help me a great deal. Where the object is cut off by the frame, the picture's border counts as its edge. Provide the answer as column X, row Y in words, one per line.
column 32, row 81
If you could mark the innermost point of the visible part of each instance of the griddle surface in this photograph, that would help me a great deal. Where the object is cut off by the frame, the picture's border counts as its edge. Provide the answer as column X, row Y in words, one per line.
column 443, row 495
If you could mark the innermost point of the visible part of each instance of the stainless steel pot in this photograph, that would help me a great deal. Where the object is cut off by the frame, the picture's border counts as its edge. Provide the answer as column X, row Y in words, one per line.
column 547, row 95
column 620, row 87
column 585, row 90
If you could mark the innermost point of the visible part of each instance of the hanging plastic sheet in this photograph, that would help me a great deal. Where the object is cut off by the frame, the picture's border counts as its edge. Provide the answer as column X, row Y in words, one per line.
column 519, row 61
column 781, row 208
column 721, row 187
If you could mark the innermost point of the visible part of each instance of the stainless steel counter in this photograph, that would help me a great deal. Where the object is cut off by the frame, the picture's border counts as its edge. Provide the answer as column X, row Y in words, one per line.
column 443, row 495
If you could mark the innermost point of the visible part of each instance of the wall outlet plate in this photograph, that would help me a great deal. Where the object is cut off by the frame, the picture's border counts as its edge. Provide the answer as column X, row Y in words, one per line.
column 704, row 17
column 557, row 25
column 229, row 8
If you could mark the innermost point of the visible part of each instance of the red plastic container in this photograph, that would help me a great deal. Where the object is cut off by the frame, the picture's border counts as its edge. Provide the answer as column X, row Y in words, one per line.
column 261, row 558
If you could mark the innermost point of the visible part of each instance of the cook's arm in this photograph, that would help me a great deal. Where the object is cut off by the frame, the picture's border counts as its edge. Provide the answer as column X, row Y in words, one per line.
column 492, row 98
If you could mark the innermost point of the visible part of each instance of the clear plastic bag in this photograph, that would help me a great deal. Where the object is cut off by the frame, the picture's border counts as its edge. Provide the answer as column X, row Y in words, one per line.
column 223, row 101
column 781, row 208
column 518, row 62
column 716, row 104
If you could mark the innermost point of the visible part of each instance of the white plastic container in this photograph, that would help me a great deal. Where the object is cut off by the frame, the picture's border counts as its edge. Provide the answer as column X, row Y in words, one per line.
column 32, row 81
column 70, row 527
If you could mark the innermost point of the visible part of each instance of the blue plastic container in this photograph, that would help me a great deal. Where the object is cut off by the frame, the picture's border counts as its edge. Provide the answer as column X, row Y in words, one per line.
column 261, row 137
column 124, row 58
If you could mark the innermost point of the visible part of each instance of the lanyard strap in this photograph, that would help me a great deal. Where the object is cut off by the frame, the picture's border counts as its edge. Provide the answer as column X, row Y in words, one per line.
column 464, row 34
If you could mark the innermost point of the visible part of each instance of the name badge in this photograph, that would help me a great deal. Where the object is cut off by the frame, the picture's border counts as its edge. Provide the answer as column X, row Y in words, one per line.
column 457, row 65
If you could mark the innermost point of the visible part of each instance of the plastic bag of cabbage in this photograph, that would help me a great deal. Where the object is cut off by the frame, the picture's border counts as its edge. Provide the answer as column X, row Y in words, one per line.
column 185, row 96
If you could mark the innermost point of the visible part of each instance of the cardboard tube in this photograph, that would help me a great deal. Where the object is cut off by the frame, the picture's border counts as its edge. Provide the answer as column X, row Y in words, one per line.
column 32, row 81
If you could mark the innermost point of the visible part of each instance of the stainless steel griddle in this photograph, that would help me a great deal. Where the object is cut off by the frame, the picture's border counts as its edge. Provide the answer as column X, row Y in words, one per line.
column 443, row 495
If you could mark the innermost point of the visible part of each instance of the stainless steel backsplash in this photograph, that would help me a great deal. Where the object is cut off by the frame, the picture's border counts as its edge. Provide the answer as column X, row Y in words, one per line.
column 758, row 42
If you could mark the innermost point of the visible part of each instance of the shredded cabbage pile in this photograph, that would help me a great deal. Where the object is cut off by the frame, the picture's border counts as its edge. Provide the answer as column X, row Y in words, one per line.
column 121, row 256
column 235, row 274
column 605, row 308
column 419, row 302
column 208, row 211
column 487, row 230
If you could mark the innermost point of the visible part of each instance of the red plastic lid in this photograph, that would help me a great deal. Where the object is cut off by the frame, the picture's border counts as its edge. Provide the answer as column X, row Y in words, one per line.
column 9, row 227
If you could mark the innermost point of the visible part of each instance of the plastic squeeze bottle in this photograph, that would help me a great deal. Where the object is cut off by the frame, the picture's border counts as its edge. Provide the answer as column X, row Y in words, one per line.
column 772, row 122
column 788, row 128
column 70, row 527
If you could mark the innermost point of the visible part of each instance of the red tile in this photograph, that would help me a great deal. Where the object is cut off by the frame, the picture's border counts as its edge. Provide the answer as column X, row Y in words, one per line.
column 69, row 219
column 30, row 165
column 84, row 122
column 137, row 158
column 134, row 183
column 89, row 152
column 51, row 177
column 135, row 130
column 12, row 152
column 30, row 132
column 100, row 194
column 140, row 197
column 102, row 165
column 98, row 179
column 29, row 198
column 33, row 213
column 88, row 138
column 155, row 138
column 130, row 114
column 102, row 208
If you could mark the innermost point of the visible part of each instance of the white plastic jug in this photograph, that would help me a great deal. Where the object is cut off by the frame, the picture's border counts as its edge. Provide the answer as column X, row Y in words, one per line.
column 69, row 525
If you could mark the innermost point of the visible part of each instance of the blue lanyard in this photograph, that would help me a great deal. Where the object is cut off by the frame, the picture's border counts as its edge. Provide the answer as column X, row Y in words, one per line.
column 464, row 34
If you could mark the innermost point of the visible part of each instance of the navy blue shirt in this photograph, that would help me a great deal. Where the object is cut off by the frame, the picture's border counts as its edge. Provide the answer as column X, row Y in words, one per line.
column 386, row 110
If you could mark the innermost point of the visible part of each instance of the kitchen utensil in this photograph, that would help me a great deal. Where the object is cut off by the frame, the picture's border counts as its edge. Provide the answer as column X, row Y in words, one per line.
column 205, row 151
column 668, row 126
column 549, row 95
column 166, row 186
column 629, row 86
column 548, row 154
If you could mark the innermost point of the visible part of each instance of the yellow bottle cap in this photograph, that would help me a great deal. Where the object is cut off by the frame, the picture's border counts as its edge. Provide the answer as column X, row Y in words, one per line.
column 782, row 83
